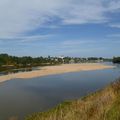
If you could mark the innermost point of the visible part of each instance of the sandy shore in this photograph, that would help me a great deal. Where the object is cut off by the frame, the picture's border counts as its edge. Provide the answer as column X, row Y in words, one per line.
column 50, row 70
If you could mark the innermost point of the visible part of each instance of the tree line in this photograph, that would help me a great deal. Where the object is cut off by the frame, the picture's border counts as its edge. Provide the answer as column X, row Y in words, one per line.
column 116, row 59
column 13, row 62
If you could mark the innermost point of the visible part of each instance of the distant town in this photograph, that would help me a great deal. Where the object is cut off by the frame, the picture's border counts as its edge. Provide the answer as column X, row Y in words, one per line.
column 8, row 62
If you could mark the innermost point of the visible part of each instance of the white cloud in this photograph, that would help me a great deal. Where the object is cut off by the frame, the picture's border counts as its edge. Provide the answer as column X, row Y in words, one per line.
column 115, row 25
column 114, row 5
column 27, row 39
column 17, row 17
column 87, row 11
column 72, row 43
column 35, row 38
column 114, row 35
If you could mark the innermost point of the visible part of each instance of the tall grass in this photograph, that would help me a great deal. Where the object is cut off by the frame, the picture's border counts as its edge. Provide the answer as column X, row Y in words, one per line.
column 102, row 105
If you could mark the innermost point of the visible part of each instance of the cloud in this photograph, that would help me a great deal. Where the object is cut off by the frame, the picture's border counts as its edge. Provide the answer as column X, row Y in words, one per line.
column 114, row 35
column 18, row 17
column 87, row 11
column 113, row 5
column 115, row 25
column 76, row 43
column 27, row 39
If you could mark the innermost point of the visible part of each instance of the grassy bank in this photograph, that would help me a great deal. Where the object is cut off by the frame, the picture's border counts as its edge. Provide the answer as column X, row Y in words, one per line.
column 102, row 105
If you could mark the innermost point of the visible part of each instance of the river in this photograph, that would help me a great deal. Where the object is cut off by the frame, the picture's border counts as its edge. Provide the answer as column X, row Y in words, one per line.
column 21, row 97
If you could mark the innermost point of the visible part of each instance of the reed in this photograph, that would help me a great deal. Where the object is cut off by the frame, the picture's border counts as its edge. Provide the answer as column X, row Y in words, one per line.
column 101, row 105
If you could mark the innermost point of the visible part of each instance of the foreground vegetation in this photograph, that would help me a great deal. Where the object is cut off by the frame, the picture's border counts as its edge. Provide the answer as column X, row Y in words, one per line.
column 102, row 105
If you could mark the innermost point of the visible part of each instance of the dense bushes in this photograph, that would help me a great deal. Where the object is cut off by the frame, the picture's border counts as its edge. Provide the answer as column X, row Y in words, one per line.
column 116, row 60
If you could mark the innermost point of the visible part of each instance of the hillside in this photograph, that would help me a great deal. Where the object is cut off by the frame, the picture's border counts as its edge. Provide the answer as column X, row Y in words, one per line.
column 102, row 105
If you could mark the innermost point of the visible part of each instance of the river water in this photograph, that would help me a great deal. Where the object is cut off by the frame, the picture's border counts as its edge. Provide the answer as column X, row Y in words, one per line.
column 21, row 97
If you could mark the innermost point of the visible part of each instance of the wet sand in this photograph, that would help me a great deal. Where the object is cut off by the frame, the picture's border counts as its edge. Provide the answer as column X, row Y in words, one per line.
column 51, row 70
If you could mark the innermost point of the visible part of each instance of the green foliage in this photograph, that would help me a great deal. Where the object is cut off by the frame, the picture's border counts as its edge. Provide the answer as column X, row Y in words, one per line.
column 114, row 112
column 116, row 60
column 8, row 62
column 12, row 62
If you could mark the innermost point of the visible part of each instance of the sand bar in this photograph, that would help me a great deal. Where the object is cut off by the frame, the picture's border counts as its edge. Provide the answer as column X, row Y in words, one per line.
column 50, row 70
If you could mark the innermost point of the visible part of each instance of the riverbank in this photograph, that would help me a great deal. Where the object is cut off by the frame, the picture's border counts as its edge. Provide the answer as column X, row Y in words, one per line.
column 102, row 105
column 50, row 70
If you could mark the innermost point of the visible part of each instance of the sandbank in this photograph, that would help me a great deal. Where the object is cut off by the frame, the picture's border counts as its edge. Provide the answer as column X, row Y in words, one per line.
column 51, row 70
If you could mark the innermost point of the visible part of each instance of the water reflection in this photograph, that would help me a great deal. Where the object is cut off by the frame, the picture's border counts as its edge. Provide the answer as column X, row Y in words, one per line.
column 20, row 97
column 19, row 70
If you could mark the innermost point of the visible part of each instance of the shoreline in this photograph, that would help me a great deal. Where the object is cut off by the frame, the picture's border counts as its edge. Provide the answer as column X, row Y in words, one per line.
column 104, row 104
column 51, row 70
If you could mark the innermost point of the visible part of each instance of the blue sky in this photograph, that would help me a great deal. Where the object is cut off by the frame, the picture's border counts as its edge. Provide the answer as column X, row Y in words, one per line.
column 60, row 27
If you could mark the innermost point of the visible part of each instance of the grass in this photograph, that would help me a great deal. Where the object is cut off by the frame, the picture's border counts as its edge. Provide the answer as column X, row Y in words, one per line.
column 101, row 105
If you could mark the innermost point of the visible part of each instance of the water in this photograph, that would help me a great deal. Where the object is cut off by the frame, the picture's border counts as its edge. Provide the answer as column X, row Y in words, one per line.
column 19, row 70
column 21, row 97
